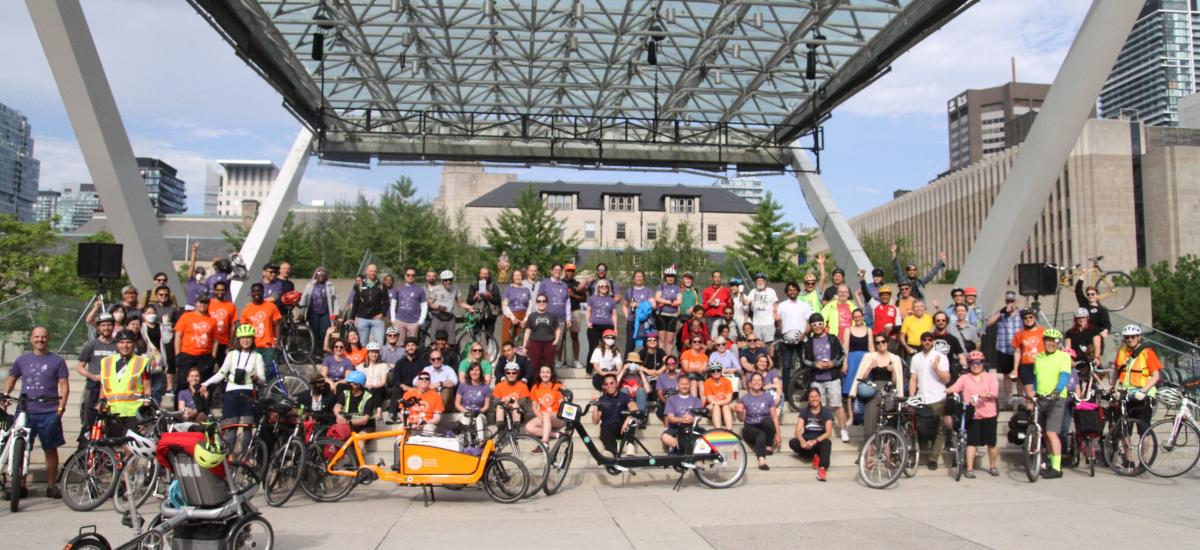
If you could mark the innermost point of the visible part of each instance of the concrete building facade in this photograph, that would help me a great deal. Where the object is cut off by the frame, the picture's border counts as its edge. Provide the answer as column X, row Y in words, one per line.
column 1127, row 192
column 243, row 180
column 976, row 119
column 19, row 171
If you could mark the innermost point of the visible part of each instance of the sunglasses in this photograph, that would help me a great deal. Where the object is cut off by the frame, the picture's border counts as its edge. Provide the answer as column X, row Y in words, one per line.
column 393, row 336
column 541, row 301
column 697, row 341
column 927, row 339
column 809, row 283
column 339, row 347
column 410, row 274
column 160, row 280
column 435, row 359
column 817, row 323
column 754, row 340
column 476, row 351
column 426, row 378
column 881, row 341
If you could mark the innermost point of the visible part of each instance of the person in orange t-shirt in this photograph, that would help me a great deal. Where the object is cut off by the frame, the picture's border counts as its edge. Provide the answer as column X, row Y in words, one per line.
column 694, row 360
column 265, row 319
column 718, row 397
column 546, row 396
column 511, row 391
column 1027, row 344
column 224, row 313
column 428, row 408
column 194, row 344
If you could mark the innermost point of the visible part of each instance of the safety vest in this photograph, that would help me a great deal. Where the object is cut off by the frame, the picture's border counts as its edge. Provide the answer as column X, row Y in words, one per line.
column 1132, row 367
column 123, row 389
column 362, row 403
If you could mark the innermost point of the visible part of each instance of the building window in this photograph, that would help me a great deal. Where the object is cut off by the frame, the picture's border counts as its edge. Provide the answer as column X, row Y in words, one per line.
column 682, row 205
column 620, row 231
column 589, row 231
column 558, row 201
column 620, row 203
column 651, row 231
column 712, row 233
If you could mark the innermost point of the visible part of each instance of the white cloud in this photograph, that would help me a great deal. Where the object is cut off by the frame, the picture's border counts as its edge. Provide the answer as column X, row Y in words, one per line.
column 185, row 128
column 973, row 51
column 61, row 162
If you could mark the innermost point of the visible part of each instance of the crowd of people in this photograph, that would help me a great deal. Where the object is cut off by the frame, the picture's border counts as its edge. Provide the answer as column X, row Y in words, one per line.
column 733, row 347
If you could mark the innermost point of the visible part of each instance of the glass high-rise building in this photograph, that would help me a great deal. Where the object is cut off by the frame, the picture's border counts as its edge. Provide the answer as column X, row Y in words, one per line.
column 18, row 169
column 167, row 192
column 1157, row 65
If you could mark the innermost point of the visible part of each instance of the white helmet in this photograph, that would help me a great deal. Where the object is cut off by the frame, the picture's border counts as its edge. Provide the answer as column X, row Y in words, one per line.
column 670, row 270
column 1081, row 312
column 373, row 346
column 791, row 337
column 1131, row 330
column 447, row 275
column 140, row 445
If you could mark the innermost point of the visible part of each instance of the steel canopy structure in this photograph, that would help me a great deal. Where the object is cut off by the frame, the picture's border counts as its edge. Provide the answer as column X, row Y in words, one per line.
column 707, row 84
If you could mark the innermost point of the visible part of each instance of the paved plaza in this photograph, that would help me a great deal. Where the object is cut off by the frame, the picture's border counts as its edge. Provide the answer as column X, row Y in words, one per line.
column 774, row 510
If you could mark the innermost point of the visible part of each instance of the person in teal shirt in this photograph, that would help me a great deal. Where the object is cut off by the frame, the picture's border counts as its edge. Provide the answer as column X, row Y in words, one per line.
column 1052, row 372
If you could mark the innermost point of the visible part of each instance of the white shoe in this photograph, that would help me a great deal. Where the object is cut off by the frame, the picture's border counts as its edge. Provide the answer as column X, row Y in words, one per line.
column 577, row 365
column 845, row 436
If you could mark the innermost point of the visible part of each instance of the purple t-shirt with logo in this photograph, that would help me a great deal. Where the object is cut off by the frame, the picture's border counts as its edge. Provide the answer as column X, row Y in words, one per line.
column 635, row 295
column 194, row 288
column 338, row 369
column 39, row 376
column 600, row 310
column 473, row 396
column 758, row 407
column 558, row 302
column 272, row 289
column 669, row 293
column 518, row 298
column 409, row 299
column 679, row 405
column 215, row 278
column 667, row 381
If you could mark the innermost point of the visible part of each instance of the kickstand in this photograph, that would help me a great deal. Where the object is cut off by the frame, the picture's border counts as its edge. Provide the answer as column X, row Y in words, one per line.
column 427, row 495
column 679, row 482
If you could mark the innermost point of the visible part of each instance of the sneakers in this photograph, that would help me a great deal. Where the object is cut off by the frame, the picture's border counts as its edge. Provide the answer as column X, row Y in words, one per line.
column 932, row 465
column 577, row 365
column 969, row 474
column 816, row 461
column 993, row 472
column 845, row 436
column 53, row 492
column 821, row 474
column 1051, row 474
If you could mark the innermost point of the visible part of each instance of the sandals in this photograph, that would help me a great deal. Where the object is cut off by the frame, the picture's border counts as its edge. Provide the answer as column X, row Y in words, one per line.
column 994, row 472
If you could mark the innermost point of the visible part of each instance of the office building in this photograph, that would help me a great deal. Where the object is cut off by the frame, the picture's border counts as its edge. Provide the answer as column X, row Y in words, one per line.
column 18, row 169
column 747, row 188
column 77, row 204
column 243, row 180
column 1157, row 66
column 1128, row 192
column 46, row 206
column 168, row 193
column 212, row 189
column 977, row 118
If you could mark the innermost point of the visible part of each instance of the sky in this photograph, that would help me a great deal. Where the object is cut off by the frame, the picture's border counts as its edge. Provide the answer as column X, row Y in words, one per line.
column 187, row 99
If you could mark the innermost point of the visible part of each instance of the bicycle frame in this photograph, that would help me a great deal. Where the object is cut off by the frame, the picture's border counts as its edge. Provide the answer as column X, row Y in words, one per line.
column 1184, row 414
column 456, row 468
column 17, row 430
column 572, row 414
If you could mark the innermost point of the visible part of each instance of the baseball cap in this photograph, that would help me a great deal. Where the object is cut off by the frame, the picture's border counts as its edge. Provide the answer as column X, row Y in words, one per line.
column 1010, row 296
column 203, row 297
column 105, row 317
column 971, row 291
column 569, row 267
column 877, row 272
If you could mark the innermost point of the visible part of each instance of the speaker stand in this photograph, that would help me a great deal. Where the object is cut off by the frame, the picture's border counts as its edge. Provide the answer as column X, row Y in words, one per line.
column 82, row 315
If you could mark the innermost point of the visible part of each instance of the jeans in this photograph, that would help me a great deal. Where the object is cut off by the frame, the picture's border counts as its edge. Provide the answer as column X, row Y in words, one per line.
column 789, row 355
column 760, row 436
column 317, row 325
column 369, row 330
column 638, row 394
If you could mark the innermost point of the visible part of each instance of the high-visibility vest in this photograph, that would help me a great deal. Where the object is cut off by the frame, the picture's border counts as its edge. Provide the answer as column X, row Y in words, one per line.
column 1132, row 367
column 362, row 403
column 123, row 389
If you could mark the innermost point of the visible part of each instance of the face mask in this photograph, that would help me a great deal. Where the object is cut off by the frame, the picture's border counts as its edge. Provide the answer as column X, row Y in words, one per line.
column 150, row 317
column 199, row 277
column 610, row 340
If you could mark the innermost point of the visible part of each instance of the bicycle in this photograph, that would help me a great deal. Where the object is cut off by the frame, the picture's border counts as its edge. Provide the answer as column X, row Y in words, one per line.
column 904, row 420
column 717, row 457
column 1123, row 436
column 15, row 439
column 884, row 455
column 958, row 440
column 296, row 342
column 89, row 475
column 470, row 329
column 287, row 463
column 527, row 448
column 1175, row 439
column 1115, row 288
column 284, row 384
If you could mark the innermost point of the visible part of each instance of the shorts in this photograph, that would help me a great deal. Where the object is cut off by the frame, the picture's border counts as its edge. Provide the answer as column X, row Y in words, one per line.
column 1052, row 414
column 47, row 428
column 831, row 393
column 238, row 403
column 766, row 333
column 672, row 431
column 667, row 323
column 1004, row 362
column 117, row 427
column 981, row 432
column 1025, row 374
column 577, row 320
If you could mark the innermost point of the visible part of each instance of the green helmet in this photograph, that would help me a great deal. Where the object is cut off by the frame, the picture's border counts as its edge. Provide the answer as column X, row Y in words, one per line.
column 1051, row 334
column 246, row 331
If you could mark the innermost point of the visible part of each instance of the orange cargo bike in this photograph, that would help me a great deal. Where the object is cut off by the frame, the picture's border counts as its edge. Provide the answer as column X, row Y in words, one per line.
column 336, row 467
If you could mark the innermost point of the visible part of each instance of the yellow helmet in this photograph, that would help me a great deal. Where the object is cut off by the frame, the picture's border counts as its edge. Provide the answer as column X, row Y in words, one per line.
column 246, row 331
column 210, row 453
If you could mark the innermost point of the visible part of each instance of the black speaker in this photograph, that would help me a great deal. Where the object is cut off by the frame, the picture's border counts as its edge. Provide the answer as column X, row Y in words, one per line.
column 1036, row 279
column 99, row 261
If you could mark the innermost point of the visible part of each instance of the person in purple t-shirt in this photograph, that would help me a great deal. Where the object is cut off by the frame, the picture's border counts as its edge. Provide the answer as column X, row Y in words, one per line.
column 634, row 295
column 409, row 306
column 335, row 367
column 558, row 302
column 43, row 374
column 601, row 313
column 679, row 411
column 761, row 417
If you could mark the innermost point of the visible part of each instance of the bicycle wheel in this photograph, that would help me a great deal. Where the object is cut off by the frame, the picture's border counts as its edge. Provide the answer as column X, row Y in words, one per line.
column 490, row 348
column 298, row 346
column 730, row 465
column 1115, row 289
column 288, row 386
column 1088, row 450
column 881, row 459
column 284, row 472
column 1032, row 449
column 253, row 533
column 506, row 479
column 912, row 448
column 136, row 481
column 1176, row 452
column 960, row 455
column 88, row 478
column 560, row 462
column 797, row 395
column 16, row 473
column 1121, row 447
column 532, row 453
column 318, row 483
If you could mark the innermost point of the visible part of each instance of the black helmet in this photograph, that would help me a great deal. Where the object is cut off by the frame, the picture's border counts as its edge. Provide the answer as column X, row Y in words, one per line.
column 816, row 318
column 126, row 335
column 1028, row 311
column 224, row 266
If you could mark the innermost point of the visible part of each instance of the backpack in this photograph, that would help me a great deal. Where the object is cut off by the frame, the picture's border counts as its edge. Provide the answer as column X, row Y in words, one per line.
column 928, row 422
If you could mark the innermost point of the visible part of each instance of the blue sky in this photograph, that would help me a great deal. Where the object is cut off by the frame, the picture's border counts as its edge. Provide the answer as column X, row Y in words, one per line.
column 185, row 98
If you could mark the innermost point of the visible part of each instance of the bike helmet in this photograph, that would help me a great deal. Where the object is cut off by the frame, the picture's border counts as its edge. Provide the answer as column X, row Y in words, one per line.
column 791, row 337
column 224, row 266
column 246, row 331
column 735, row 281
column 512, row 366
column 356, row 377
column 975, row 357
column 1028, row 311
column 1081, row 313
column 1131, row 330
column 139, row 445
column 105, row 317
column 373, row 346
column 669, row 271
column 609, row 332
column 865, row 391
column 1051, row 334
column 290, row 298
column 760, row 275
column 715, row 366
column 447, row 275
column 885, row 289
column 392, row 330
column 209, row 453
column 1170, row 397
column 1072, row 353
column 126, row 335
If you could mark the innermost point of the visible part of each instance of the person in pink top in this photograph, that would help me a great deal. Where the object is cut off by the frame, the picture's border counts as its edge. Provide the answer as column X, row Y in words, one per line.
column 979, row 388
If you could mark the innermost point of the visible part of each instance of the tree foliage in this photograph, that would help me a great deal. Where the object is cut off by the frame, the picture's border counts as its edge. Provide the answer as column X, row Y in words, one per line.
column 770, row 245
column 679, row 246
column 531, row 233
column 1175, row 298
column 23, row 253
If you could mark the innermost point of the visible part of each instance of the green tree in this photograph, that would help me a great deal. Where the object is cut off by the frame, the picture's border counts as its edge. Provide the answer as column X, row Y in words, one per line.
column 531, row 233
column 770, row 245
column 1175, row 298
column 24, row 251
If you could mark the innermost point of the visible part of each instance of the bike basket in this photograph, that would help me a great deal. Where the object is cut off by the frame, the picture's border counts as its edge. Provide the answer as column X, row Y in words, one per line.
column 1089, row 421
column 1017, row 424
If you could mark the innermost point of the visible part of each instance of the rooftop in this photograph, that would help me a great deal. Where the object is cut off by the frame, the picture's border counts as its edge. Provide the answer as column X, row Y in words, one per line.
column 590, row 196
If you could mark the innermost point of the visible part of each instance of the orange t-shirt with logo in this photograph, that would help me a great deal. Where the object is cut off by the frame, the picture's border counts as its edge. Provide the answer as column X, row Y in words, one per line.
column 693, row 362
column 357, row 357
column 196, row 333
column 717, row 388
column 504, row 391
column 224, row 314
column 263, row 318
column 546, row 397
column 428, row 403
column 1028, row 342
